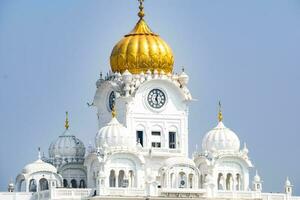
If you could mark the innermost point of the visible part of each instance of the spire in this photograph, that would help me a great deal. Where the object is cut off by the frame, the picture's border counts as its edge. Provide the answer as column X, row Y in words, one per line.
column 141, row 13
column 220, row 115
column 67, row 121
column 287, row 181
column 113, row 111
column 39, row 153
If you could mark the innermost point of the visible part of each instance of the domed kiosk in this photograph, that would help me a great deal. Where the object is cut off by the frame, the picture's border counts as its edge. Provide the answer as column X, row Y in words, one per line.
column 67, row 154
column 38, row 176
column 67, row 148
column 221, row 152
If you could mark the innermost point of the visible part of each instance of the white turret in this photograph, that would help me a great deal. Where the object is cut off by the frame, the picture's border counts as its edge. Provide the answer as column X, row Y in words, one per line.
column 257, row 183
column 11, row 186
column 288, row 187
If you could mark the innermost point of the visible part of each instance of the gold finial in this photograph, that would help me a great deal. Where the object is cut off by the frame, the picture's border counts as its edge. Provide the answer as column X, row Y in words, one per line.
column 67, row 121
column 141, row 14
column 113, row 111
column 220, row 115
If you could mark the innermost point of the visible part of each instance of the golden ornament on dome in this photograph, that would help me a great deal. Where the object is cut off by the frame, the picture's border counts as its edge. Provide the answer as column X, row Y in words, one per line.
column 141, row 50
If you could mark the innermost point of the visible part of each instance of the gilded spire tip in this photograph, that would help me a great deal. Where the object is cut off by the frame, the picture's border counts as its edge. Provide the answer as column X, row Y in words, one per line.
column 67, row 121
column 141, row 13
column 220, row 115
column 113, row 111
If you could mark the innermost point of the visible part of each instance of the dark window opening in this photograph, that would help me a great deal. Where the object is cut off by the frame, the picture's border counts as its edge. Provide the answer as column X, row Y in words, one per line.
column 156, row 133
column 172, row 140
column 139, row 137
column 156, row 144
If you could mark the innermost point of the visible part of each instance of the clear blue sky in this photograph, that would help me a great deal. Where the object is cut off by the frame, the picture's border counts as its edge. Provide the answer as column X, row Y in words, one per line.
column 245, row 53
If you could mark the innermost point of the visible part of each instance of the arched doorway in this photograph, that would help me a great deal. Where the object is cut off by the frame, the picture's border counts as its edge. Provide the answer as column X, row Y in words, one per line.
column 65, row 182
column 73, row 183
column 82, row 184
column 32, row 185
column 182, row 180
column 112, row 179
column 43, row 184
column 229, row 182
column 121, row 178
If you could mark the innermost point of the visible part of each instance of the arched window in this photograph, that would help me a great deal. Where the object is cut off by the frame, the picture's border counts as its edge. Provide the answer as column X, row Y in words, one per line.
column 112, row 179
column 201, row 181
column 82, row 184
column 172, row 140
column 131, row 178
column 157, row 136
column 220, row 182
column 238, row 182
column 21, row 186
column 164, row 184
column 121, row 178
column 65, row 182
column 140, row 137
column 172, row 180
column 229, row 182
column 73, row 183
column 43, row 184
column 32, row 185
column 182, row 180
column 191, row 180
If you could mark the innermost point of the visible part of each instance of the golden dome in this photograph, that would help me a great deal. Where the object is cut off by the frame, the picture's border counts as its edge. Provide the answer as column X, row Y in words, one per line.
column 141, row 50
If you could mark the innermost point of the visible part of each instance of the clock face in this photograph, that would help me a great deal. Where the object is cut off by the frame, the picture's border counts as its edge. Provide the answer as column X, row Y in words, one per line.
column 111, row 100
column 156, row 98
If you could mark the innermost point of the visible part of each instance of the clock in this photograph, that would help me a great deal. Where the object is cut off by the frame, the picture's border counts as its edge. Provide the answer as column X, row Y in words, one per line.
column 156, row 98
column 111, row 100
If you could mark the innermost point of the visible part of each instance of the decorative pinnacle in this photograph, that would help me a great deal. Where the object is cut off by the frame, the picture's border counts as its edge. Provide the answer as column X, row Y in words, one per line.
column 67, row 121
column 141, row 13
column 220, row 115
column 39, row 153
column 113, row 111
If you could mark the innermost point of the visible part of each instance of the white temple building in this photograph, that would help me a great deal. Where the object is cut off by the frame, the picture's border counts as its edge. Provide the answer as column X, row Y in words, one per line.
column 141, row 148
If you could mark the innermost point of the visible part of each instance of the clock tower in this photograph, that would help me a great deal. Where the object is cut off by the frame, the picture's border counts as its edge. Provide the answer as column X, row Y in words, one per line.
column 150, row 99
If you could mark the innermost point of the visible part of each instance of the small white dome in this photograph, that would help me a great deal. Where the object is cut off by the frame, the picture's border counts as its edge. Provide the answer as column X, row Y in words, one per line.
column 67, row 146
column 256, row 178
column 38, row 166
column 220, row 139
column 288, row 182
column 114, row 134
column 183, row 78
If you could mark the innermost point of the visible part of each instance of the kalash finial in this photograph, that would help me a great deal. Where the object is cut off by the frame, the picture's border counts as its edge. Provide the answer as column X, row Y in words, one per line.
column 141, row 14
column 220, row 115
column 67, row 121
column 113, row 111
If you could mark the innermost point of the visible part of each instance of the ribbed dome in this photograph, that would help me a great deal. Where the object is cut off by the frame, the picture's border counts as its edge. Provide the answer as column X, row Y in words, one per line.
column 220, row 139
column 38, row 166
column 67, row 146
column 141, row 50
column 114, row 134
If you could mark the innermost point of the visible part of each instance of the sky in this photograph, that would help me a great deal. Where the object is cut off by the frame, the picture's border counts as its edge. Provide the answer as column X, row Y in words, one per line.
column 244, row 53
